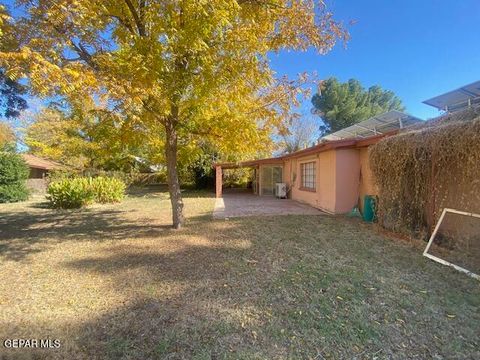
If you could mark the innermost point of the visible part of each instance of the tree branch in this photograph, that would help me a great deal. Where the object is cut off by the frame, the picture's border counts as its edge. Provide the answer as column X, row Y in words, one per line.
column 147, row 107
column 72, row 60
column 260, row 2
column 207, row 132
column 83, row 54
column 123, row 22
column 136, row 18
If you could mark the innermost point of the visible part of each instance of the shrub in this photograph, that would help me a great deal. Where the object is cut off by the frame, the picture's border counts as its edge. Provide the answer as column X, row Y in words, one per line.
column 126, row 177
column 58, row 175
column 108, row 190
column 156, row 178
column 70, row 193
column 13, row 193
column 13, row 174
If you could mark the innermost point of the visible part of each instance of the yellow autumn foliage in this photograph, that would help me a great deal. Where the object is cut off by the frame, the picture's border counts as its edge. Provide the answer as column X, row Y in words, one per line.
column 184, row 71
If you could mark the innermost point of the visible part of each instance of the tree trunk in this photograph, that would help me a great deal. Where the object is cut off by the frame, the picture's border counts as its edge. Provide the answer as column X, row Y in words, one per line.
column 172, row 174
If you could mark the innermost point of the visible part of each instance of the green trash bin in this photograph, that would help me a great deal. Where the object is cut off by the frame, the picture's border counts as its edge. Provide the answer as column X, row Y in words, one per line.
column 369, row 204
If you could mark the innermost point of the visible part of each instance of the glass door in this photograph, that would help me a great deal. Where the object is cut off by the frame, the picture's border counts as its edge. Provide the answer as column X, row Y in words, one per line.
column 270, row 176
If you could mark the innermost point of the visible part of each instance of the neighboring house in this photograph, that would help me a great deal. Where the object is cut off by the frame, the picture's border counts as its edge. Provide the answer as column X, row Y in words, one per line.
column 331, row 176
column 39, row 169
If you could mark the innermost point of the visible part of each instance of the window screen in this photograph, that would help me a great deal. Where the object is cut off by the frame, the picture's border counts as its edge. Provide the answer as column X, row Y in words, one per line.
column 308, row 175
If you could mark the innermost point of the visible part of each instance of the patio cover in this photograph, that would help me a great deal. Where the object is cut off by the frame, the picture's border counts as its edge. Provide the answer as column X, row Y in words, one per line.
column 376, row 125
column 457, row 99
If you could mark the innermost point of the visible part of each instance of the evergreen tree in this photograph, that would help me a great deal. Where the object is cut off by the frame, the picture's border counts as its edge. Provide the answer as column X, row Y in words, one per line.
column 343, row 104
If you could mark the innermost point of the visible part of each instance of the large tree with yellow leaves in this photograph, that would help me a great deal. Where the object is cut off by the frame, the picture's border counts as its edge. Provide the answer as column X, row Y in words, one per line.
column 179, row 71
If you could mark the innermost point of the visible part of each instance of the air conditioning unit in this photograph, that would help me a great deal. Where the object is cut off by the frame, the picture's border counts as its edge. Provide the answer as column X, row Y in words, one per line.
column 281, row 190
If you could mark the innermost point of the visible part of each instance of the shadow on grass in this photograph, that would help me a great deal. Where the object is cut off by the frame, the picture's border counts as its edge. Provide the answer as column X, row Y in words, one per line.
column 295, row 287
column 269, row 299
column 20, row 231
column 200, row 320
column 43, row 204
column 152, row 328
column 161, row 317
column 161, row 191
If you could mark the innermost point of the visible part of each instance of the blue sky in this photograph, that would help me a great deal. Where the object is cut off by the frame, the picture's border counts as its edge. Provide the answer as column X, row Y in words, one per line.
column 416, row 48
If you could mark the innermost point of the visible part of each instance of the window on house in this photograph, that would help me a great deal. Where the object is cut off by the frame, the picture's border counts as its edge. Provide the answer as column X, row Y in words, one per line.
column 308, row 175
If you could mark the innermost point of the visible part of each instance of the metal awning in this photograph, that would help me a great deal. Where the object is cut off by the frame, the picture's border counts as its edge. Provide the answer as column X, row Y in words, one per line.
column 458, row 99
column 376, row 125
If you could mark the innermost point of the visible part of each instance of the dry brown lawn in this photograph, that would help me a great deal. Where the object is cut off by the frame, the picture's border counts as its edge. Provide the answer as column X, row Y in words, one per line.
column 116, row 282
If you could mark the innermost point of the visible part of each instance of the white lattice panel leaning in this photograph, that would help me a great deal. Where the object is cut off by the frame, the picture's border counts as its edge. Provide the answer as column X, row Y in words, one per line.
column 442, row 261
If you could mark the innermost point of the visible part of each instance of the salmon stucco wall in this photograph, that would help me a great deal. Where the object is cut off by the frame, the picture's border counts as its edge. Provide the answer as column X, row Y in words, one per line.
column 342, row 177
column 305, row 196
column 286, row 172
column 324, row 195
column 367, row 180
column 347, row 180
column 326, row 183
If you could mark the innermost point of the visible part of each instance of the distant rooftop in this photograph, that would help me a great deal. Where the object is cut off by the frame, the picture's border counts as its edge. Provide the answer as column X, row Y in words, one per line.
column 376, row 125
column 41, row 163
column 465, row 96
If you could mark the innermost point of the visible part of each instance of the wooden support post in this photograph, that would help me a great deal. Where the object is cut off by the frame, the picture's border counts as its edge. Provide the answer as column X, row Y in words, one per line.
column 218, row 181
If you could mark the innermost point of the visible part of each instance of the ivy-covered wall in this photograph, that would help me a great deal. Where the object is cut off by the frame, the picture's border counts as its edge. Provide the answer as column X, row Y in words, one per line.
column 425, row 169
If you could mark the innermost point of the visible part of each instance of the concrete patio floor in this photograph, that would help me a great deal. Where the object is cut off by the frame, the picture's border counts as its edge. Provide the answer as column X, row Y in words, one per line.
column 233, row 205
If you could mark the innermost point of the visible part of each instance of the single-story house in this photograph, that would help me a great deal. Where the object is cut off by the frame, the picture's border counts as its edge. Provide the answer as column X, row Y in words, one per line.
column 332, row 176
column 39, row 169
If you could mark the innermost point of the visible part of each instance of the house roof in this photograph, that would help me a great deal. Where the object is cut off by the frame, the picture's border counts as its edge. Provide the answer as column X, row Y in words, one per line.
column 364, row 133
column 376, row 125
column 457, row 99
column 250, row 163
column 41, row 163
column 324, row 146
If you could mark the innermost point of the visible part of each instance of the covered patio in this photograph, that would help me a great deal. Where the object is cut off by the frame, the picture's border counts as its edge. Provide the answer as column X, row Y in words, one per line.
column 267, row 172
column 241, row 203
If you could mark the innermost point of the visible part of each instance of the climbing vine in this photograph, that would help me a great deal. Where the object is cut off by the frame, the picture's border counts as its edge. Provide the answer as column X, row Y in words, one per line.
column 426, row 168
